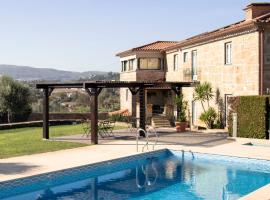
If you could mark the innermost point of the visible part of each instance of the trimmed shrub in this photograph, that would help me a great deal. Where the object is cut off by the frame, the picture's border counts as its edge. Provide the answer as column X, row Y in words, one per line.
column 252, row 116
column 119, row 118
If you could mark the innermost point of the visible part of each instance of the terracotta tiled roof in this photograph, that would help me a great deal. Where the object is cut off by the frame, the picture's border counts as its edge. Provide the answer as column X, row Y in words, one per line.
column 154, row 46
column 158, row 45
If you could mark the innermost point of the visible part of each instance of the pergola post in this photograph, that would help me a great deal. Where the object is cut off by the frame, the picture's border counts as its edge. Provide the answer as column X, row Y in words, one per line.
column 142, row 109
column 133, row 106
column 46, row 94
column 94, row 116
column 178, row 92
column 133, row 91
column 45, row 113
column 93, row 93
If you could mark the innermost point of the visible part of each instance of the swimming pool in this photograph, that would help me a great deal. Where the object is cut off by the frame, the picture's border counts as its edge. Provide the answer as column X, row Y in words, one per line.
column 162, row 174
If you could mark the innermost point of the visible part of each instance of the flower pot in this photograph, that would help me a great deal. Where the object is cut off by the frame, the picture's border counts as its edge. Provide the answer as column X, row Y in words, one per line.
column 181, row 126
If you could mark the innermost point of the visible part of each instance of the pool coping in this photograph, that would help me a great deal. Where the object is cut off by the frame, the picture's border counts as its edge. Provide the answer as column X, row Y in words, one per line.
column 262, row 193
column 91, row 165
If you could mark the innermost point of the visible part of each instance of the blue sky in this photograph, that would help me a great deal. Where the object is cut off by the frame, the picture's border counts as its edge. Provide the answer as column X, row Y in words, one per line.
column 84, row 35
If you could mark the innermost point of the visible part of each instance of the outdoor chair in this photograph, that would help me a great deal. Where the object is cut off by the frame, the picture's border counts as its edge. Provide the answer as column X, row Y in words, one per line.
column 111, row 128
column 86, row 127
column 105, row 128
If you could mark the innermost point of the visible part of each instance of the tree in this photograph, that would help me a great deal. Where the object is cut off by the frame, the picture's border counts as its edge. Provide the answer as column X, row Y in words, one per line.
column 204, row 93
column 15, row 100
column 182, row 106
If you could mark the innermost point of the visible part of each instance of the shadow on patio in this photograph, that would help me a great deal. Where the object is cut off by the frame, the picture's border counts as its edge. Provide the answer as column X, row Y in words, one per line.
column 15, row 168
column 167, row 136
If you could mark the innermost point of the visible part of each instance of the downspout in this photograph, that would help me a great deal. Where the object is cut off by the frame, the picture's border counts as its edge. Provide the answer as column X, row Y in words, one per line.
column 261, row 60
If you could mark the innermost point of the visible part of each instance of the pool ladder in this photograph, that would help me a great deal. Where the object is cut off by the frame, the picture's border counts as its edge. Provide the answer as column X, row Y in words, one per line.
column 191, row 152
column 145, row 170
column 146, row 133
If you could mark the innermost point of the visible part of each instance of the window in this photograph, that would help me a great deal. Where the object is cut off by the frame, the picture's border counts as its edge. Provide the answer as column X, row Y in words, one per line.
column 228, row 53
column 150, row 63
column 175, row 62
column 124, row 66
column 131, row 63
column 122, row 69
column 126, row 94
column 185, row 57
column 194, row 62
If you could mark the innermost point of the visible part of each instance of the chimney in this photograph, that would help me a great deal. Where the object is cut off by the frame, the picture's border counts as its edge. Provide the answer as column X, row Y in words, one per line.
column 254, row 10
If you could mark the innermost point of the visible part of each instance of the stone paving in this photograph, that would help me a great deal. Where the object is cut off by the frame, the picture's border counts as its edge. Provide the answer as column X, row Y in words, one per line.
column 166, row 136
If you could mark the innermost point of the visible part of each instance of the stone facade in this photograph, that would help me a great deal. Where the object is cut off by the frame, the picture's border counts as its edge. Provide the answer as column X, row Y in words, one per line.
column 247, row 72
column 239, row 78
column 139, row 75
column 266, row 70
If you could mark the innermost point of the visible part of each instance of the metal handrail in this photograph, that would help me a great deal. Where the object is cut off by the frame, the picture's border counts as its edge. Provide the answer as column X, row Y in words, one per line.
column 146, row 133
column 137, row 138
column 155, row 132
column 192, row 154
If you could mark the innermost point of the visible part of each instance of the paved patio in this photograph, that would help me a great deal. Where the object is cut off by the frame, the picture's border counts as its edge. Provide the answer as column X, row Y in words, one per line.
column 166, row 136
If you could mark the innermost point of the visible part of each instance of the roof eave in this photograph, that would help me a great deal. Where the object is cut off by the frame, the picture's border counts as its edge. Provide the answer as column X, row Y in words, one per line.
column 250, row 25
column 132, row 52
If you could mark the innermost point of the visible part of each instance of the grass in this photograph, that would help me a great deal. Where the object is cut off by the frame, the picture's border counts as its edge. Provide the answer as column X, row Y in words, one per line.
column 26, row 141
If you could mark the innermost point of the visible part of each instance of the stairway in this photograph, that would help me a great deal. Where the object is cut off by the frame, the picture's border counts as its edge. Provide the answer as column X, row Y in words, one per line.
column 161, row 121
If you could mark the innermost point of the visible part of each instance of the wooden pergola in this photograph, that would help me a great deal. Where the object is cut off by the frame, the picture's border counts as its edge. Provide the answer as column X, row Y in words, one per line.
column 93, row 88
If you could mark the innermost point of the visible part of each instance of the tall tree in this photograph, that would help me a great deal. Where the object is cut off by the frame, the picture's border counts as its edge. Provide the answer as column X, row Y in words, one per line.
column 15, row 100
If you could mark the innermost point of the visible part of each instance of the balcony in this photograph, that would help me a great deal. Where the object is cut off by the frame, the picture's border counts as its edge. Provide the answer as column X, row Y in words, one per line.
column 188, row 76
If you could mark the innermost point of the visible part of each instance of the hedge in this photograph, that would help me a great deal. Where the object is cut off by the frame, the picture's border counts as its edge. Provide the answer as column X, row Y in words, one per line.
column 252, row 116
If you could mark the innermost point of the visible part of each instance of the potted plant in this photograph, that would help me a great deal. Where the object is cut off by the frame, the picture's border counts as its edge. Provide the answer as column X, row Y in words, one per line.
column 181, row 121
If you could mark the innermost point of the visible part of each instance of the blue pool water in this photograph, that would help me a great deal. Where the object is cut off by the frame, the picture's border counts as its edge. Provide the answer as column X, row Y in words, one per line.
column 158, row 175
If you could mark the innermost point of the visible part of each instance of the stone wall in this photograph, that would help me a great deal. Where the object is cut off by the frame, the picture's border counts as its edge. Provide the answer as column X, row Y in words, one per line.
column 125, row 102
column 150, row 75
column 65, row 116
column 177, row 74
column 239, row 78
column 266, row 70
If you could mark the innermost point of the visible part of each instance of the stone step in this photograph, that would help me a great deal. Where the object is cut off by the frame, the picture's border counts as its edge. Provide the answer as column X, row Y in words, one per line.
column 161, row 121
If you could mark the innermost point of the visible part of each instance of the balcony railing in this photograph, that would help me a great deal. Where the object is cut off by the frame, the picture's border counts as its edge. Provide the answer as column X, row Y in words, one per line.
column 189, row 76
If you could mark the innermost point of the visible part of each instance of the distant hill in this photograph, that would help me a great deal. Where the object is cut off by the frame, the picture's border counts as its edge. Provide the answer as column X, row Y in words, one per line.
column 26, row 73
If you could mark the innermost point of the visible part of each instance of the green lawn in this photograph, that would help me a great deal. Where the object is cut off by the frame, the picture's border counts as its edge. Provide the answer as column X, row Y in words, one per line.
column 25, row 141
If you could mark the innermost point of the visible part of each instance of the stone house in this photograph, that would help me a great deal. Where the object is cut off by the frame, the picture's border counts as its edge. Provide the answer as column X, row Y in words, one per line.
column 235, row 59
